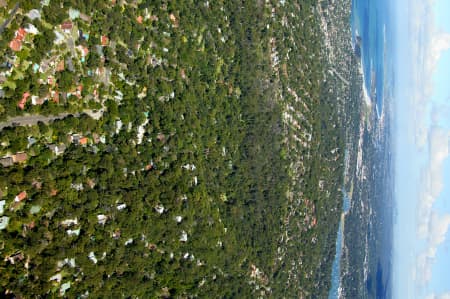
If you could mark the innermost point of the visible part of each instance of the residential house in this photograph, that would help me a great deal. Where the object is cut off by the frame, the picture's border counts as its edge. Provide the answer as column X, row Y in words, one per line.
column 59, row 38
column 34, row 14
column 15, row 258
column 100, row 71
column 35, row 68
column 174, row 20
column 23, row 101
column 84, row 51
column 57, row 149
column 83, row 141
column 67, row 26
column 20, row 34
column 78, row 139
column 60, row 66
column 85, row 18
column 55, row 96
column 35, row 100
column 78, row 91
column 21, row 196
column 160, row 209
column 50, row 80
column 31, row 140
column 104, row 40
column 4, row 222
column 36, row 184
column 69, row 222
column 74, row 138
column 77, row 186
column 90, row 183
column 183, row 237
column 102, row 219
column 2, row 206
column 116, row 234
column 16, row 43
column 92, row 257
column 44, row 66
column 31, row 29
column 20, row 157
column 6, row 161
column 74, row 13
column 95, row 138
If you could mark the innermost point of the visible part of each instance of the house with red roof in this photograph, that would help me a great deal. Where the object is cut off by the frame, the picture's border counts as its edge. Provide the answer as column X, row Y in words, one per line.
column 16, row 43
column 78, row 91
column 67, row 26
column 21, row 196
column 104, row 40
column 55, row 96
column 20, row 34
column 83, row 141
column 20, row 157
column 84, row 51
column 23, row 101
column 60, row 66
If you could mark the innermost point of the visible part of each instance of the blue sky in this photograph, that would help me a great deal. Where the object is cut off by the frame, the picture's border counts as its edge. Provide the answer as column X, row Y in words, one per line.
column 422, row 114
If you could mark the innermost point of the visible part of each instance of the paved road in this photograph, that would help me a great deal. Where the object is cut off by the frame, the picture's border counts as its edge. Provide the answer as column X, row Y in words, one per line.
column 28, row 120
column 333, row 70
column 11, row 15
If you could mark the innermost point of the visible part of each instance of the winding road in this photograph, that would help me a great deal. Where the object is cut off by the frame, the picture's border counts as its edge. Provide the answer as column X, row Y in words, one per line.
column 11, row 15
column 29, row 120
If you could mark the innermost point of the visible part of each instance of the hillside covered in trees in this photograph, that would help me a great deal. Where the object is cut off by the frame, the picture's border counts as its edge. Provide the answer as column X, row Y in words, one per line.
column 168, row 149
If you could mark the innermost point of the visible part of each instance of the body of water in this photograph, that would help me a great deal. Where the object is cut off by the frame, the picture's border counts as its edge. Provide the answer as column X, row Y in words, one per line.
column 372, row 32
column 372, row 38
column 336, row 269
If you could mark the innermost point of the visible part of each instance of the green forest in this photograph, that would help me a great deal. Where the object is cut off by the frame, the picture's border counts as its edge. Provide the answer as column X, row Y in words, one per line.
column 213, row 171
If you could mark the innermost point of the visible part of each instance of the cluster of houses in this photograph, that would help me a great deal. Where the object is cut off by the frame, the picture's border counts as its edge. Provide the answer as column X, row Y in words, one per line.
column 19, row 157
column 65, row 33
column 57, row 149
column 19, row 37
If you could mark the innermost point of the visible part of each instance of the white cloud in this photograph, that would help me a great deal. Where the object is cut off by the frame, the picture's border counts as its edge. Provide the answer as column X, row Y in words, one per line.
column 438, row 149
column 441, row 296
column 431, row 226
column 431, row 140
column 428, row 45
column 432, row 177
column 440, row 42
column 440, row 113
column 437, row 229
